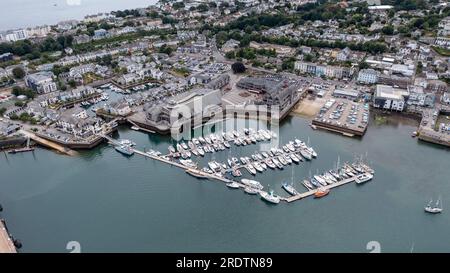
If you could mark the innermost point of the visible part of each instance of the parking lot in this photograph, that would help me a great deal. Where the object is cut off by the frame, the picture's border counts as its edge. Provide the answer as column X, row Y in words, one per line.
column 345, row 114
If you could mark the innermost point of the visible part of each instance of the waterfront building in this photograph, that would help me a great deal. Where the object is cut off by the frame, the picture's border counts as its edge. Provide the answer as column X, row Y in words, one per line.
column 390, row 98
column 275, row 90
column 75, row 121
column 41, row 82
column 368, row 76
column 118, row 108
column 347, row 93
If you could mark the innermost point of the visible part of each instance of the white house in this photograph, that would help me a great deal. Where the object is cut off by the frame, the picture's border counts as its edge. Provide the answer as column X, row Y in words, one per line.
column 368, row 76
column 41, row 82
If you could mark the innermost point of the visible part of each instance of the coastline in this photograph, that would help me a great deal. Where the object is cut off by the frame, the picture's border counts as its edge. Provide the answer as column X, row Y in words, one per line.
column 63, row 12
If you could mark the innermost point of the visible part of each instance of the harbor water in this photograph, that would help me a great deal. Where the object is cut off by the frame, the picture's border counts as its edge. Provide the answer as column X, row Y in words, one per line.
column 112, row 203
column 29, row 13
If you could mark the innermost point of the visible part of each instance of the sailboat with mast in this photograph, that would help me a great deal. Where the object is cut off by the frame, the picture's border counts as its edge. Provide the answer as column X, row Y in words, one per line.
column 437, row 208
column 290, row 187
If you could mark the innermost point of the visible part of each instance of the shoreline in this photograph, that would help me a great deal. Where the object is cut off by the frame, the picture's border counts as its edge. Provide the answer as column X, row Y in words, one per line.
column 54, row 21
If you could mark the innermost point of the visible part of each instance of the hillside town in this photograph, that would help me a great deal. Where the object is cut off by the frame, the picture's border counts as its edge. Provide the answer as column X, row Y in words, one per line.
column 331, row 61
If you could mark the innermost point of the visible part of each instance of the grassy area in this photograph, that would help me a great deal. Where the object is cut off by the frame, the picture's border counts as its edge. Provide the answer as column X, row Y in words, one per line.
column 184, row 72
column 442, row 51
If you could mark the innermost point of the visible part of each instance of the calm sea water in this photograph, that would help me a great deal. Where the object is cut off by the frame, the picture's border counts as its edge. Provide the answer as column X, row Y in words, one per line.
column 108, row 202
column 26, row 13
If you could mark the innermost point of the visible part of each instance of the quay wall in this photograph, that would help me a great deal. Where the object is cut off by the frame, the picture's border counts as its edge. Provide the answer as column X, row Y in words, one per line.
column 12, row 142
column 339, row 129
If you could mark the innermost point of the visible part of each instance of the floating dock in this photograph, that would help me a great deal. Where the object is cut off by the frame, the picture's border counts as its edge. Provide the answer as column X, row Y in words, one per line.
column 241, row 185
column 312, row 192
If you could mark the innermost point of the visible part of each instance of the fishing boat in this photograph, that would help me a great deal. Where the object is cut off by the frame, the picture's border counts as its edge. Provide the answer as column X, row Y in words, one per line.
column 188, row 163
column 266, row 155
column 277, row 163
column 335, row 174
column 236, row 172
column 171, row 149
column 127, row 142
column 282, row 160
column 252, row 183
column 202, row 140
column 214, row 166
column 258, row 167
column 123, row 149
column 289, row 188
column 196, row 173
column 362, row 178
column 437, row 208
column 263, row 165
column 233, row 185
column 183, row 144
column 287, row 158
column 314, row 182
column 249, row 167
column 320, row 179
column 195, row 152
column 270, row 163
column 305, row 153
column 235, row 161
column 191, row 145
column 307, row 184
column 311, row 150
column 250, row 190
column 290, row 147
column 321, row 192
column 179, row 148
column 201, row 152
column 135, row 128
column 270, row 197
column 226, row 144
column 294, row 158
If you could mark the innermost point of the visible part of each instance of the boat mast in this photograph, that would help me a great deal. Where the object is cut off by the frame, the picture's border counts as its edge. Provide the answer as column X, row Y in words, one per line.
column 292, row 178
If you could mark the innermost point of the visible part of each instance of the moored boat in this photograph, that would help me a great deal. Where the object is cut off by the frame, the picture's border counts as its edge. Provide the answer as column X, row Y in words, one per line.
column 321, row 192
column 270, row 197
column 196, row 173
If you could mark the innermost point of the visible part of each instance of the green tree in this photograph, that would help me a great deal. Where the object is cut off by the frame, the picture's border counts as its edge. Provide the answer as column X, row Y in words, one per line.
column 388, row 30
column 18, row 73
column 238, row 68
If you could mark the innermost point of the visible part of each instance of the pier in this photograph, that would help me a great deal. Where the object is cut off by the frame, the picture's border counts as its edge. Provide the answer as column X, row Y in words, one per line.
column 48, row 144
column 6, row 243
column 312, row 192
column 226, row 180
